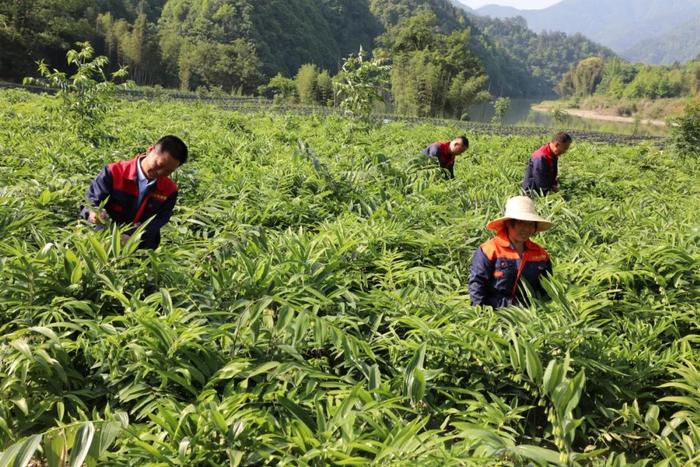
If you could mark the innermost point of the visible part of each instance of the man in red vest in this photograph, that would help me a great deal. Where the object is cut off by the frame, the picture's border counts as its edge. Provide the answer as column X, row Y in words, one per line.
column 138, row 190
column 542, row 168
column 445, row 152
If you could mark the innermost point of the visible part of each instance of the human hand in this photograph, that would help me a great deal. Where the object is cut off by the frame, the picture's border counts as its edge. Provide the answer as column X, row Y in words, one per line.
column 97, row 217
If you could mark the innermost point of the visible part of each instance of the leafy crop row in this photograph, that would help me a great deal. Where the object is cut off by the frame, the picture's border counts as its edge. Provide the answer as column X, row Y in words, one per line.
column 308, row 304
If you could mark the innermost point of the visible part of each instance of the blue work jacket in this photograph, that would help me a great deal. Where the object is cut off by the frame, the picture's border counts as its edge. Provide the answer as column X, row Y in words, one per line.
column 118, row 183
column 497, row 272
column 541, row 171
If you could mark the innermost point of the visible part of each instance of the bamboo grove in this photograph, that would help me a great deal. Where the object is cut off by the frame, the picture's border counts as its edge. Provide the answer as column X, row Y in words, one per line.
column 308, row 305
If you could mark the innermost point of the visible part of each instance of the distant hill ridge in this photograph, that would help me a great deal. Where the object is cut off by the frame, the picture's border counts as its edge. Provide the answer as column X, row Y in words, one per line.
column 623, row 25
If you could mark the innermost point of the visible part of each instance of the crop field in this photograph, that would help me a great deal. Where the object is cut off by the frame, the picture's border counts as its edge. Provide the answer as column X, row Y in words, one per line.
column 308, row 304
column 534, row 125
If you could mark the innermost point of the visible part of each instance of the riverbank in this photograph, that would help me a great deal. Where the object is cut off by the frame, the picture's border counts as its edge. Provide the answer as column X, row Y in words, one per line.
column 634, row 111
column 594, row 115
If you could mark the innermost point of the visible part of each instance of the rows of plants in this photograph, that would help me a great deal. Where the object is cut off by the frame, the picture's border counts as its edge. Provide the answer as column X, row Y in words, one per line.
column 308, row 304
column 248, row 104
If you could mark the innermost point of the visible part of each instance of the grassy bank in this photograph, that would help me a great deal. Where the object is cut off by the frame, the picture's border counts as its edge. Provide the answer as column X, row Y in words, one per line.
column 658, row 109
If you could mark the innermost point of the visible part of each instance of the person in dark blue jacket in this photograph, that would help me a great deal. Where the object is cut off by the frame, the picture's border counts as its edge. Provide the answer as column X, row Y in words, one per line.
column 446, row 152
column 138, row 190
column 543, row 166
column 501, row 266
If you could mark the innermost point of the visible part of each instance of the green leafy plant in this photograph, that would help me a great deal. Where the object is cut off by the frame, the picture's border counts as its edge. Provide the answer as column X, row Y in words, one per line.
column 500, row 108
column 685, row 130
column 360, row 84
column 73, row 444
column 86, row 95
column 308, row 304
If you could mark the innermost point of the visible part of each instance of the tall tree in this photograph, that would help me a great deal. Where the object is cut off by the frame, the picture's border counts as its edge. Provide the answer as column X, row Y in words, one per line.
column 306, row 82
column 434, row 73
column 206, row 42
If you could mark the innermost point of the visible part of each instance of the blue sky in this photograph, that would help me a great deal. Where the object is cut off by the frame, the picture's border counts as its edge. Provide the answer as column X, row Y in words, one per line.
column 521, row 4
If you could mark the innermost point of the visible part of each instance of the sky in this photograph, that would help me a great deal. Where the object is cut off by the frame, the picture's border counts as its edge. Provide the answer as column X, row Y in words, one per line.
column 520, row 4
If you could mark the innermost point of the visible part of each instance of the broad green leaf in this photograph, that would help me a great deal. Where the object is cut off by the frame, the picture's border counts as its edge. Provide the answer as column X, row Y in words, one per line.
column 375, row 377
column 99, row 249
column 26, row 451
column 417, row 390
column 652, row 418
column 105, row 434
column 552, row 376
column 533, row 363
column 81, row 447
column 537, row 454
column 55, row 448
column 10, row 454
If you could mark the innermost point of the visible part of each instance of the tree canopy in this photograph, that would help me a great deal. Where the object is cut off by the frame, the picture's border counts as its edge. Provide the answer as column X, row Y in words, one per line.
column 441, row 55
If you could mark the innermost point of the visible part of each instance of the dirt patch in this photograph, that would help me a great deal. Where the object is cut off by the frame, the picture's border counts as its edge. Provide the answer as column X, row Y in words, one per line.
column 593, row 115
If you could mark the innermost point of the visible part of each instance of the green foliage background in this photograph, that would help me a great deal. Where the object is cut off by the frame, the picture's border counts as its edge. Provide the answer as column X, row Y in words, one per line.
column 308, row 304
column 618, row 79
column 238, row 45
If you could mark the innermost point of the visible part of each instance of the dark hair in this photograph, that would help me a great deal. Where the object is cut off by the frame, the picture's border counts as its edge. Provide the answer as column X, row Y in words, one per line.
column 562, row 138
column 465, row 141
column 173, row 146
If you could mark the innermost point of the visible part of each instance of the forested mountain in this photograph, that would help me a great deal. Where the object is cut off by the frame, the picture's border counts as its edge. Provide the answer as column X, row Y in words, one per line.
column 240, row 44
column 619, row 79
column 547, row 56
column 237, row 43
column 619, row 24
column 680, row 45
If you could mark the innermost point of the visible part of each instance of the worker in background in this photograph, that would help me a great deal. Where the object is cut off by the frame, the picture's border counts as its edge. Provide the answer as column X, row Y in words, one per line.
column 542, row 169
column 445, row 152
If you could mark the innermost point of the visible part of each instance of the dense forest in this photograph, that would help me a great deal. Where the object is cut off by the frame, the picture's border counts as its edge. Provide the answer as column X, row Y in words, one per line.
column 619, row 79
column 546, row 56
column 442, row 57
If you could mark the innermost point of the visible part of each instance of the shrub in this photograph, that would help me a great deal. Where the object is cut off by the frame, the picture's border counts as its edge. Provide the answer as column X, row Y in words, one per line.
column 685, row 133
column 86, row 95
column 360, row 84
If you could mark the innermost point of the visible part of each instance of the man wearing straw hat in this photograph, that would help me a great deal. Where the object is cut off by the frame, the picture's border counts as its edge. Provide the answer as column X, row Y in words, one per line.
column 543, row 167
column 500, row 265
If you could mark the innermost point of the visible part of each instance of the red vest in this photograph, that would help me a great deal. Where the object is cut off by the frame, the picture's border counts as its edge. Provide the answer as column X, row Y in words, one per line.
column 447, row 159
column 125, row 191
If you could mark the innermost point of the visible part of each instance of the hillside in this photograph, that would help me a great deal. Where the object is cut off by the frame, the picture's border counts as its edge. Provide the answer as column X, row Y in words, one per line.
column 547, row 55
column 289, row 33
column 240, row 44
column 619, row 25
column 680, row 45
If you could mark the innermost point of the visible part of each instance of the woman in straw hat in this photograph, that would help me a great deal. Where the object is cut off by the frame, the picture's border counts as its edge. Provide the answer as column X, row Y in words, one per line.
column 500, row 264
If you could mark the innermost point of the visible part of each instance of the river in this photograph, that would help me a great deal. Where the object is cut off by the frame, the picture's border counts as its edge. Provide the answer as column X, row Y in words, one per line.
column 520, row 113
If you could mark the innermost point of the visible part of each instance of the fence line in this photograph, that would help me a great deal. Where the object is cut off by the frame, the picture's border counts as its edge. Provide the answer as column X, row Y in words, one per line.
column 250, row 104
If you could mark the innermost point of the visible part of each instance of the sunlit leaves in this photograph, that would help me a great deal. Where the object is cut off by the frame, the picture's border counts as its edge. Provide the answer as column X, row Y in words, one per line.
column 308, row 303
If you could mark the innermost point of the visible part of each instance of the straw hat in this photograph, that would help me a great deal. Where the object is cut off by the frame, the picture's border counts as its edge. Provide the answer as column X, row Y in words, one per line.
column 520, row 208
